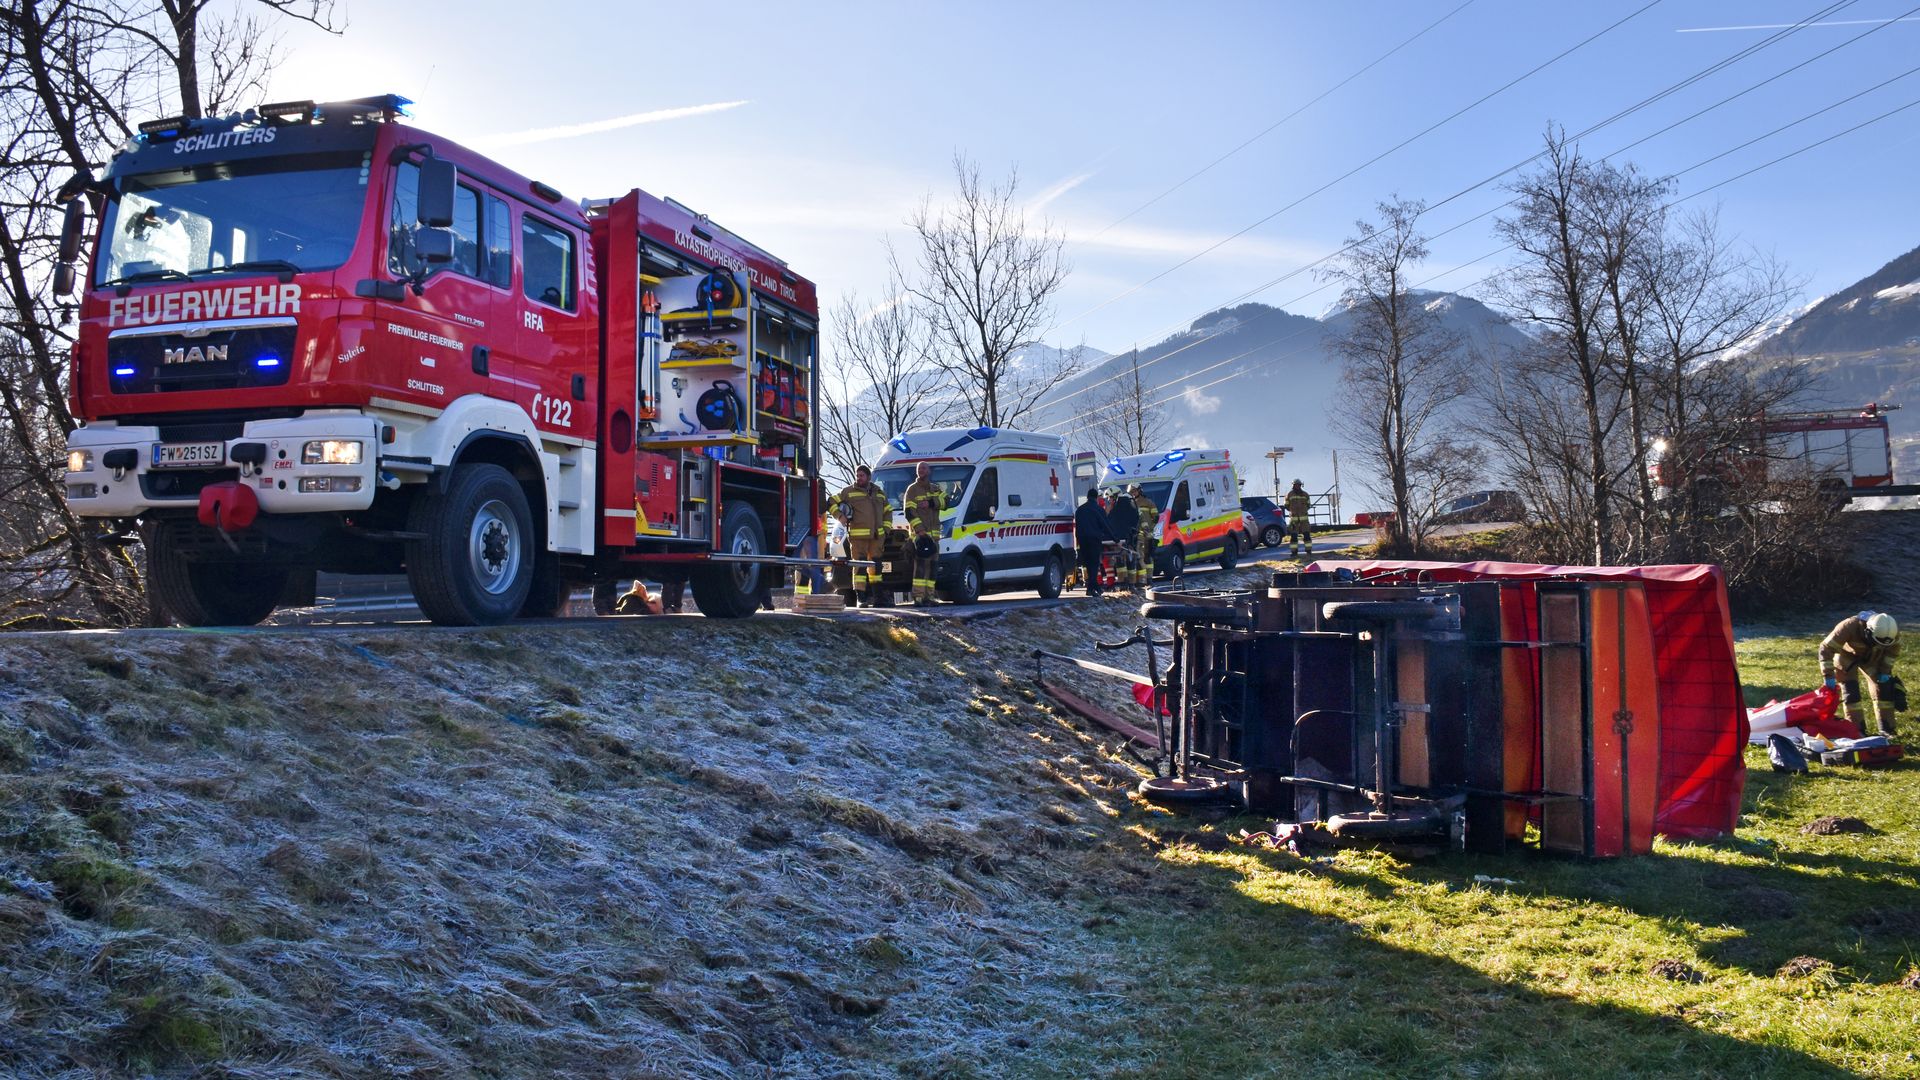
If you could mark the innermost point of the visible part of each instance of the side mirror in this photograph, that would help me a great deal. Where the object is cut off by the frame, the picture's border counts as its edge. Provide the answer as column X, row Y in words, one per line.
column 433, row 244
column 438, row 178
column 72, row 224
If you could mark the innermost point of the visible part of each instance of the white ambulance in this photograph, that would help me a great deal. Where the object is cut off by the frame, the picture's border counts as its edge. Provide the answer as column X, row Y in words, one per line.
column 1198, row 496
column 1009, row 517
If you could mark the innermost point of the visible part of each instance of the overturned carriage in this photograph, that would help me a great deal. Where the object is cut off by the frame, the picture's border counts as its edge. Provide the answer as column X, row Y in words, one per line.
column 1599, row 705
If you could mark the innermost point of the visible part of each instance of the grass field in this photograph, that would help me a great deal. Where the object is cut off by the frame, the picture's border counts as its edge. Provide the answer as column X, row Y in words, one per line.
column 1368, row 964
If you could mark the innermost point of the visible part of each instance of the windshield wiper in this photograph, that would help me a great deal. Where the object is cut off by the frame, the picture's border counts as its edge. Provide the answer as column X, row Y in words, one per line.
column 286, row 269
column 165, row 273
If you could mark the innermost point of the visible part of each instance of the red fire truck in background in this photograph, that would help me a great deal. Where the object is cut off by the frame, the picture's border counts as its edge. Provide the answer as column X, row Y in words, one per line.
column 1848, row 452
column 315, row 338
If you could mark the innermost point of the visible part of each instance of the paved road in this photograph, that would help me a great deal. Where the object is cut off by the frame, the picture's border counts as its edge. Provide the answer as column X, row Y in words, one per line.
column 397, row 611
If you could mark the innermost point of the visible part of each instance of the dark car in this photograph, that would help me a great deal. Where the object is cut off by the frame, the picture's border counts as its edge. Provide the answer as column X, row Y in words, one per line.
column 1269, row 525
column 1481, row 506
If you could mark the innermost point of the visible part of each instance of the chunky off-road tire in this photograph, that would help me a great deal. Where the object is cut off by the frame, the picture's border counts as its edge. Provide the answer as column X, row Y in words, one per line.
column 969, row 581
column 1230, row 555
column 549, row 593
column 474, row 564
column 209, row 593
column 1053, row 576
column 1272, row 536
column 732, row 590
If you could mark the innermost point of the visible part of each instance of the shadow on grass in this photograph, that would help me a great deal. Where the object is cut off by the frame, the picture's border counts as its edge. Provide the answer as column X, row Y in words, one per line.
column 1268, row 987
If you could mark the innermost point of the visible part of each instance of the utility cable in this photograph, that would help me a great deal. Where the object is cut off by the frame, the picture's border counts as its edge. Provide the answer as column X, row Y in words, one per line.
column 1643, row 103
column 1270, row 128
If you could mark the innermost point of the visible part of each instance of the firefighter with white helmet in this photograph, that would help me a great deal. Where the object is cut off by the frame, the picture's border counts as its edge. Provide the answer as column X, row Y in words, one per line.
column 1864, row 643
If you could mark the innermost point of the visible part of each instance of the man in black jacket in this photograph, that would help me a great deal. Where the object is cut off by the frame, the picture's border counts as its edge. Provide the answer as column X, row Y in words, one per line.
column 1089, row 531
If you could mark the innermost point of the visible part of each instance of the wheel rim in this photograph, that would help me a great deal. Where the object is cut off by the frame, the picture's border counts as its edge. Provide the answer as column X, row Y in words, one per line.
column 1053, row 574
column 743, row 542
column 972, row 582
column 494, row 548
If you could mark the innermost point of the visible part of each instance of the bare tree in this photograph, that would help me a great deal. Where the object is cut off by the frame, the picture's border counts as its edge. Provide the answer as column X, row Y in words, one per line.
column 1123, row 416
column 1401, row 368
column 885, row 381
column 1558, row 290
column 74, row 76
column 986, row 277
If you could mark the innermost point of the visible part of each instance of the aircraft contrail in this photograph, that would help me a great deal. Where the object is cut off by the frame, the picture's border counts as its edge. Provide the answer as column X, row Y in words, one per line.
column 594, row 127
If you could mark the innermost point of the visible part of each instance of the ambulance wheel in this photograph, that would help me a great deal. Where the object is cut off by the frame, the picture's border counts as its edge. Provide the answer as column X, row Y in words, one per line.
column 732, row 590
column 1176, row 563
column 1053, row 577
column 1272, row 536
column 548, row 595
column 967, row 584
column 474, row 563
column 208, row 594
column 1230, row 555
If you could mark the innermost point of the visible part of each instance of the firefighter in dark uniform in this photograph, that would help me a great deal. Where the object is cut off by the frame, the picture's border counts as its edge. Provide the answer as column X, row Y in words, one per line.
column 924, row 503
column 1143, row 537
column 863, row 506
column 1867, row 642
column 1300, row 529
column 1089, row 532
column 1122, row 521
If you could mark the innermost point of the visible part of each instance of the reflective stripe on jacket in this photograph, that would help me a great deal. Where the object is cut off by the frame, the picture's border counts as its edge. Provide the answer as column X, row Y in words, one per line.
column 924, row 502
column 863, row 508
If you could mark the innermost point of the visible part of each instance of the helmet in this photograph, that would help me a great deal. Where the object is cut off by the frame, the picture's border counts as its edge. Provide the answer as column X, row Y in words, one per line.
column 1883, row 628
column 1133, row 489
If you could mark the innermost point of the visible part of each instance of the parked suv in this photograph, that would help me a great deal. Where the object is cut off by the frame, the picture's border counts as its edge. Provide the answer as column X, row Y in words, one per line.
column 1481, row 506
column 1269, row 521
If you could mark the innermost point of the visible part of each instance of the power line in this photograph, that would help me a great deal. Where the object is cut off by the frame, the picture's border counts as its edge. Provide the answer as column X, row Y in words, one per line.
column 1455, row 269
column 1422, row 133
column 1643, row 103
column 1269, row 129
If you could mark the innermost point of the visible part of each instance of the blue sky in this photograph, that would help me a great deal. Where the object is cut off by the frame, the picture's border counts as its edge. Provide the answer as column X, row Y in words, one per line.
column 824, row 124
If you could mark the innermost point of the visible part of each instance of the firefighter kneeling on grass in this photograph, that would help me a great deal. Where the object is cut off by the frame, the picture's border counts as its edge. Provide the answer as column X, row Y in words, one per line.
column 863, row 506
column 924, row 503
column 1867, row 643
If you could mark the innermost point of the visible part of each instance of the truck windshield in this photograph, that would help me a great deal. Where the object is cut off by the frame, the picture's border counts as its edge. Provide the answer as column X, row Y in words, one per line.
column 298, row 213
column 950, row 479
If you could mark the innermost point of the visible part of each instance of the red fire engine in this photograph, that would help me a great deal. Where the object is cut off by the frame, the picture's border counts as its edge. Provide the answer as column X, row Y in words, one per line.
column 315, row 338
column 1846, row 451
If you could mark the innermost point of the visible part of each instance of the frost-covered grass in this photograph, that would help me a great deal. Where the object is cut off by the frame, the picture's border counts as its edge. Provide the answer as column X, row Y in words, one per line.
column 793, row 847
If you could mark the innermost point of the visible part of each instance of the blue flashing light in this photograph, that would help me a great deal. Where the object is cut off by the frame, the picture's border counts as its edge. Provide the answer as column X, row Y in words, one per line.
column 900, row 443
column 123, row 372
column 983, row 432
column 1177, row 455
column 1116, row 466
column 266, row 361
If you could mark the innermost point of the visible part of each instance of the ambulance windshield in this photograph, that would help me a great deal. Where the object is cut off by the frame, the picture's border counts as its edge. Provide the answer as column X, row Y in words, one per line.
column 1154, row 490
column 950, row 479
column 290, row 213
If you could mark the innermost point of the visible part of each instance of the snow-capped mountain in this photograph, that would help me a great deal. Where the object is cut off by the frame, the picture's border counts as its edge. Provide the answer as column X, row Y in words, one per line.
column 1253, row 377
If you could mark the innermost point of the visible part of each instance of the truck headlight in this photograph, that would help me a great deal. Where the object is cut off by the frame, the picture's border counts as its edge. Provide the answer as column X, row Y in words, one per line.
column 79, row 460
column 331, row 452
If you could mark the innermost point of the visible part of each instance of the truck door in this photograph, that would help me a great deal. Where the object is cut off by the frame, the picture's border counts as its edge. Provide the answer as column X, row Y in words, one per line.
column 552, row 367
column 432, row 334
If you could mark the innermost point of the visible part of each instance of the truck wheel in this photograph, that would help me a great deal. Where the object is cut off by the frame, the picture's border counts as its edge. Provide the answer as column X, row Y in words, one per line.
column 210, row 593
column 1053, row 575
column 968, row 583
column 475, row 565
column 732, row 590
column 1272, row 536
column 1230, row 555
column 549, row 593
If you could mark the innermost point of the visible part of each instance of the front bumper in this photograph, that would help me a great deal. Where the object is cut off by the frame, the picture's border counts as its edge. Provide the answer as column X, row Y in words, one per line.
column 100, row 491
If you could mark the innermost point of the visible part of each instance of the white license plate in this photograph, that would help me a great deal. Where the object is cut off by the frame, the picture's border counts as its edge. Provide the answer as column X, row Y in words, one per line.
column 188, row 455
column 886, row 568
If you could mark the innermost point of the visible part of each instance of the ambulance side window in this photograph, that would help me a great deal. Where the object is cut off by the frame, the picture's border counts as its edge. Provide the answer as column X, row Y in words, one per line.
column 986, row 496
column 1180, row 502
